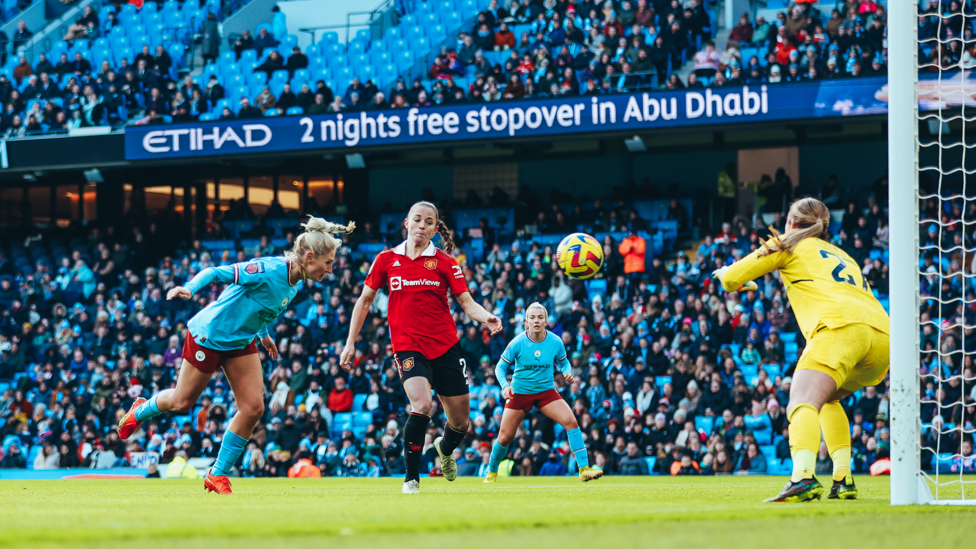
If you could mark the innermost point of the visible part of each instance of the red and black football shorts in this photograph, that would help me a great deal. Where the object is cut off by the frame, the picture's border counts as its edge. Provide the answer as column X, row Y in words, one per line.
column 208, row 360
column 447, row 374
column 538, row 400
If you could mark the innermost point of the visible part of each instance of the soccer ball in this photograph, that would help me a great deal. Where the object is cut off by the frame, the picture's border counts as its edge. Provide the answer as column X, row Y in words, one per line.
column 580, row 256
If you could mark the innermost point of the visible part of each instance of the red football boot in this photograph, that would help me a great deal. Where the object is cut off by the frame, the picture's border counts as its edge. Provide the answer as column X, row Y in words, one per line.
column 128, row 424
column 220, row 484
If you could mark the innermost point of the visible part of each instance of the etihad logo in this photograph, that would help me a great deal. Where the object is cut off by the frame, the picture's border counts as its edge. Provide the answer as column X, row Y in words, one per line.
column 398, row 283
column 196, row 139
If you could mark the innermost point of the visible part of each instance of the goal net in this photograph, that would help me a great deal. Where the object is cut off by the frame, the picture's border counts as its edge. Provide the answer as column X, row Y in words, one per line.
column 933, row 273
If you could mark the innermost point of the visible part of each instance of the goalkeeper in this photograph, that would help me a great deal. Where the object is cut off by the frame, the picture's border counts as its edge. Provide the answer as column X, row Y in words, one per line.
column 846, row 330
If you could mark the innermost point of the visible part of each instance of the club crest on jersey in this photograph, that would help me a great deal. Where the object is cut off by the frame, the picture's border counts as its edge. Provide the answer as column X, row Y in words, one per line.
column 430, row 264
column 200, row 356
column 537, row 353
column 284, row 302
column 254, row 268
column 407, row 364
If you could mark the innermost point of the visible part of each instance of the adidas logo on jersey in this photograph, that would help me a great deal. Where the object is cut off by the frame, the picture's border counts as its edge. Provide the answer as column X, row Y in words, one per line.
column 396, row 263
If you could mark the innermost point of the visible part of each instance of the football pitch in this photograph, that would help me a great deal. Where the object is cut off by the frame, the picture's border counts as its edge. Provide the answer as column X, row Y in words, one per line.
column 617, row 512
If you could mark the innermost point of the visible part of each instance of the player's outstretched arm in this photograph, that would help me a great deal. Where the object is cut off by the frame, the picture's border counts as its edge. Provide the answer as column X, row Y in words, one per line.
column 735, row 277
column 359, row 312
column 478, row 313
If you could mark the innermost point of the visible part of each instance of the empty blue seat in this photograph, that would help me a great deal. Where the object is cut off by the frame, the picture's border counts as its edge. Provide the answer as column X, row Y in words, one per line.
column 661, row 381
column 338, row 61
column 281, row 76
column 271, row 112
column 705, row 423
column 294, row 111
column 355, row 48
column 393, row 33
column 415, row 32
column 330, row 37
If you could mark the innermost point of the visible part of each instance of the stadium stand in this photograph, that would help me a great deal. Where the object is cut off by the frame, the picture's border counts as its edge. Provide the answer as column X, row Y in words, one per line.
column 665, row 359
column 448, row 50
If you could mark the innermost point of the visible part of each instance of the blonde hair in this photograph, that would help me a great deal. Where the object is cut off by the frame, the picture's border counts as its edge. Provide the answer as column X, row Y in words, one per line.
column 441, row 226
column 812, row 219
column 536, row 305
column 318, row 238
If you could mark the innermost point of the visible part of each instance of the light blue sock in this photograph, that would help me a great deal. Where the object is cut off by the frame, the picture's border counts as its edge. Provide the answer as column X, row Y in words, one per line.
column 230, row 449
column 498, row 453
column 578, row 447
column 148, row 410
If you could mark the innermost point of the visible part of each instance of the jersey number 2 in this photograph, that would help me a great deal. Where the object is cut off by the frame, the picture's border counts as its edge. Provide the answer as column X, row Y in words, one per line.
column 841, row 265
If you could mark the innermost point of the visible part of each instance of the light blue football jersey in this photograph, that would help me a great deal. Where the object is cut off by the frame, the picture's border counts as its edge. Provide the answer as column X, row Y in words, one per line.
column 258, row 293
column 533, row 363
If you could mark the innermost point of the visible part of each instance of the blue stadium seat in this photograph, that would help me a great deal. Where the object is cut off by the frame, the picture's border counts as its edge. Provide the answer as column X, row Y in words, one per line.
column 387, row 74
column 404, row 60
column 295, row 111
column 661, row 381
column 338, row 61
column 355, row 48
column 705, row 423
column 429, row 19
column 415, row 32
column 363, row 35
column 393, row 33
column 377, row 46
column 280, row 76
column 381, row 58
column 358, row 61
column 271, row 112
column 330, row 37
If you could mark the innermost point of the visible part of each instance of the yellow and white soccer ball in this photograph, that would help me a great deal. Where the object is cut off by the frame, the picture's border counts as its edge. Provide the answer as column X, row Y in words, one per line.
column 580, row 256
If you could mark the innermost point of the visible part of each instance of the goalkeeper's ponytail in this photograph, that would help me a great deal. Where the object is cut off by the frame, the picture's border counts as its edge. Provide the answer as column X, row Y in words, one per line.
column 811, row 219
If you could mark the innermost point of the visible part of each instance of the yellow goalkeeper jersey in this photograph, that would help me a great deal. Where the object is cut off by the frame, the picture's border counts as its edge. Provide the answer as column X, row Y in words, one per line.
column 825, row 286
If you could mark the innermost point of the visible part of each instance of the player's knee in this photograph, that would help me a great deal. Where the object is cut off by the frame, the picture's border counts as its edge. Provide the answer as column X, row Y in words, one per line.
column 182, row 404
column 422, row 406
column 504, row 440
column 571, row 424
column 252, row 410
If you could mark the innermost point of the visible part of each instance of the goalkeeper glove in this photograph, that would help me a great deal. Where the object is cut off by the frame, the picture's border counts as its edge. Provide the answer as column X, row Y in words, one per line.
column 747, row 287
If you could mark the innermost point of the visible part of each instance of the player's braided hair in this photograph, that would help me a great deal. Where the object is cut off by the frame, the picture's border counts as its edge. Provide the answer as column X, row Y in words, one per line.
column 442, row 227
column 812, row 219
column 318, row 238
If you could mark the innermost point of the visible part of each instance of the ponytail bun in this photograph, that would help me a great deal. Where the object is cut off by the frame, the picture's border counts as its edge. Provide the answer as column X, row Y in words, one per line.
column 317, row 238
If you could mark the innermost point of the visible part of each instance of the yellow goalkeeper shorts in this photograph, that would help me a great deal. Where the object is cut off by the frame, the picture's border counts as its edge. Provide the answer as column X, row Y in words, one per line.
column 855, row 356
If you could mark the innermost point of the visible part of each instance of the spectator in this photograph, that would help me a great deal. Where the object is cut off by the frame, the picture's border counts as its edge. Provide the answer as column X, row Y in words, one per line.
column 271, row 64
column 752, row 461
column 22, row 35
column 632, row 463
column 504, row 39
column 23, row 70
column 633, row 248
column 210, row 46
column 264, row 40
column 244, row 42
column 297, row 60
column 340, row 398
column 707, row 61
column 265, row 100
column 247, row 111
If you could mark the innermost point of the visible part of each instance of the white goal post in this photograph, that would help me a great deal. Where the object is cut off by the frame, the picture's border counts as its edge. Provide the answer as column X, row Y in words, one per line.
column 911, row 483
column 906, row 480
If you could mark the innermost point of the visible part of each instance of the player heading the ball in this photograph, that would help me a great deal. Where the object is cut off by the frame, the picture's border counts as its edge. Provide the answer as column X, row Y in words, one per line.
column 222, row 335
column 532, row 355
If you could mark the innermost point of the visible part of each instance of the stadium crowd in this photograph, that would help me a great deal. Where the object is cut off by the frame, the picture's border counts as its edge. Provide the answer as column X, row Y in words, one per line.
column 670, row 367
column 512, row 50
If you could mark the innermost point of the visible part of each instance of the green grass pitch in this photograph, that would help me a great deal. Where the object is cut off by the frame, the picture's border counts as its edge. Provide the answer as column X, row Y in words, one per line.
column 614, row 512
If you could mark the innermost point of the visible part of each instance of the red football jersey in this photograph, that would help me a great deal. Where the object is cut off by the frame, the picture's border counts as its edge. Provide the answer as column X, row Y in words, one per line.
column 419, row 318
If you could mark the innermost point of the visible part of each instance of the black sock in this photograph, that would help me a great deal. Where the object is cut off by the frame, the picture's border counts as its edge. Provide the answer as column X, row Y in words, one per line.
column 413, row 444
column 452, row 439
